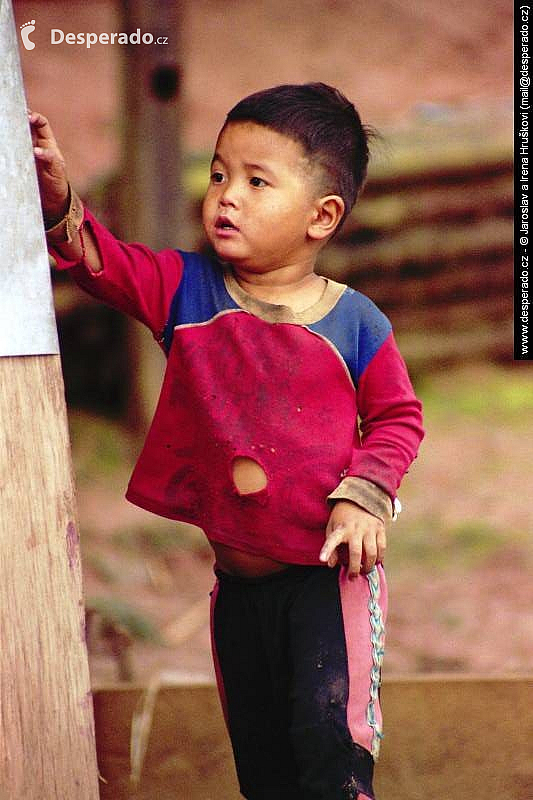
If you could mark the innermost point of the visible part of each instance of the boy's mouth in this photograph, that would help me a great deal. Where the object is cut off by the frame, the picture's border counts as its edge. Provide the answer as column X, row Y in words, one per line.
column 225, row 224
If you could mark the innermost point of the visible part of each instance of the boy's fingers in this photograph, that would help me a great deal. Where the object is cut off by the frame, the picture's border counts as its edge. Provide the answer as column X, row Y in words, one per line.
column 370, row 557
column 382, row 544
column 45, row 154
column 41, row 128
column 354, row 550
column 374, row 547
column 38, row 120
column 333, row 540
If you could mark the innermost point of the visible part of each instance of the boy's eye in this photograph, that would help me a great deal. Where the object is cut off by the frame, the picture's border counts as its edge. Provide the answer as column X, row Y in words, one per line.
column 255, row 181
column 217, row 177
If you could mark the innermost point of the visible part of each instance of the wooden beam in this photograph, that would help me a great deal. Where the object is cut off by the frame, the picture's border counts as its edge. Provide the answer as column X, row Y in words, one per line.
column 152, row 192
column 151, row 203
column 446, row 736
column 47, row 748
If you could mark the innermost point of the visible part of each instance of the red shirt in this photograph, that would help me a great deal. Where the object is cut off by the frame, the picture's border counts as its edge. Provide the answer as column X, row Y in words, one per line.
column 251, row 379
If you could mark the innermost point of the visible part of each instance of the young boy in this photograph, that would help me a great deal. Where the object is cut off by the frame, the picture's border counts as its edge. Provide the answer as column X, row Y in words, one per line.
column 256, row 438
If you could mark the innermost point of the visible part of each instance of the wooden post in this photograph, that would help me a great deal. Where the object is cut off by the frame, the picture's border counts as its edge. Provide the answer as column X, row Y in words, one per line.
column 47, row 747
column 152, row 204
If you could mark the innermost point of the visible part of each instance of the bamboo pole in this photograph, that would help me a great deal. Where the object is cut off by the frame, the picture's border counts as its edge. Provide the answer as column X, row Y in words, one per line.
column 47, row 747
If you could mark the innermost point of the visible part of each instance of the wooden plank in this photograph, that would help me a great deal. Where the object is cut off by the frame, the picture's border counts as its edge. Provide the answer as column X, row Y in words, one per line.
column 460, row 317
column 428, row 247
column 188, row 756
column 451, row 285
column 454, row 174
column 430, row 205
column 46, row 725
column 435, row 349
column 440, row 733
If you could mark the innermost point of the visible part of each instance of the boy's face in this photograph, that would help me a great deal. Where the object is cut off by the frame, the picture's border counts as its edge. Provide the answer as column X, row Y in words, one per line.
column 261, row 198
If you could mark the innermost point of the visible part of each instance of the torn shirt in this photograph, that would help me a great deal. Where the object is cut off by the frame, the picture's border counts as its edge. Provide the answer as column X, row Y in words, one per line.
column 320, row 400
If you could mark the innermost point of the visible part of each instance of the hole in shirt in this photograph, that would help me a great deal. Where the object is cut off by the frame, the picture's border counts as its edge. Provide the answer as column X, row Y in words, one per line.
column 248, row 475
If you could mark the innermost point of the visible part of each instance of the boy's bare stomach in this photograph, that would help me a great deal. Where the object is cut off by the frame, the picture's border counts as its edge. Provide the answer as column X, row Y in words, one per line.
column 246, row 565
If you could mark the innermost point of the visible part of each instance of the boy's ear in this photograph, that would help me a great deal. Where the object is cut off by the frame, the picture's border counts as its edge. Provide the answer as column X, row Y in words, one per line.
column 327, row 216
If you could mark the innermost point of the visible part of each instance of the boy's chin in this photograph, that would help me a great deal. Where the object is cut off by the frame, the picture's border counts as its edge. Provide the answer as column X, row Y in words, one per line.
column 225, row 252
column 237, row 257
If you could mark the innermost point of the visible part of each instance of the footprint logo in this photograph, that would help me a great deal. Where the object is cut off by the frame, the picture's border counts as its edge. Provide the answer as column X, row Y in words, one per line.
column 25, row 31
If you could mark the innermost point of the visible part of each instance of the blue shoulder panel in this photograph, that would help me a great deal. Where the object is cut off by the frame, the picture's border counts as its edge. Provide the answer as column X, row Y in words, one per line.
column 357, row 328
column 200, row 296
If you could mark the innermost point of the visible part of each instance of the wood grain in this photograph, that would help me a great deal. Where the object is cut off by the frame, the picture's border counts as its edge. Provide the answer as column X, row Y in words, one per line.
column 47, row 749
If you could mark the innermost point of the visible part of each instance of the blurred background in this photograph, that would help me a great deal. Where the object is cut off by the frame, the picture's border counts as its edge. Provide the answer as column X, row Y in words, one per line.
column 430, row 242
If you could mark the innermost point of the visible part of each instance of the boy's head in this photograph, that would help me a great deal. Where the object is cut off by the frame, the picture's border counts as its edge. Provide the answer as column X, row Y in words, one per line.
column 325, row 124
column 288, row 166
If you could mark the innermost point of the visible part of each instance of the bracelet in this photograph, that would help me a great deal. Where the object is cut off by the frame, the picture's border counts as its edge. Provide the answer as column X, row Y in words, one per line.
column 63, row 231
column 82, row 242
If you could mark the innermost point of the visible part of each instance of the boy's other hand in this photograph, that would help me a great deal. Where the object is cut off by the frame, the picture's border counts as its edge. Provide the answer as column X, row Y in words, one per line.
column 51, row 171
column 361, row 531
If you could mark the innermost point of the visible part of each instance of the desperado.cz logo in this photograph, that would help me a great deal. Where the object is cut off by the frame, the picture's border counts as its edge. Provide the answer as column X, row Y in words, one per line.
column 57, row 36
column 25, row 31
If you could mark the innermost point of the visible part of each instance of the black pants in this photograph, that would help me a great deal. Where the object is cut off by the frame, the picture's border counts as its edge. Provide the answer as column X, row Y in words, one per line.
column 298, row 658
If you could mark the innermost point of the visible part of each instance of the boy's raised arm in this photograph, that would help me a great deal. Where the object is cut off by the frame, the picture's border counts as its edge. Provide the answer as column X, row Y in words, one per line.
column 129, row 277
column 62, row 210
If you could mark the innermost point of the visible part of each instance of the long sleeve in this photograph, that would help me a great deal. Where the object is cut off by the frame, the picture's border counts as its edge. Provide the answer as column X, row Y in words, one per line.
column 135, row 279
column 389, row 433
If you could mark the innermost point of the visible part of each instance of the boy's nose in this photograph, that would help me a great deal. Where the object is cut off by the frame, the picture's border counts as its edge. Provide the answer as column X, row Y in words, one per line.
column 228, row 197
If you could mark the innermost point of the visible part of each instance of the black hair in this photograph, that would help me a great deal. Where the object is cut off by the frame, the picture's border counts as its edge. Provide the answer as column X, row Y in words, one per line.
column 324, row 122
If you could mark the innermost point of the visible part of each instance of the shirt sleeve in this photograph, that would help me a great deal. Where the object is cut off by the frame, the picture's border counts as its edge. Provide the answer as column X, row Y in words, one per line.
column 388, row 436
column 135, row 279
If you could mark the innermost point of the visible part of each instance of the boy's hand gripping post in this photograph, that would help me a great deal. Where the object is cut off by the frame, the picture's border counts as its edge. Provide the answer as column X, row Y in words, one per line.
column 51, row 171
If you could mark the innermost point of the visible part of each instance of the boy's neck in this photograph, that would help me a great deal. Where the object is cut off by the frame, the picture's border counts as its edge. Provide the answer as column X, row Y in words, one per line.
column 296, row 286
